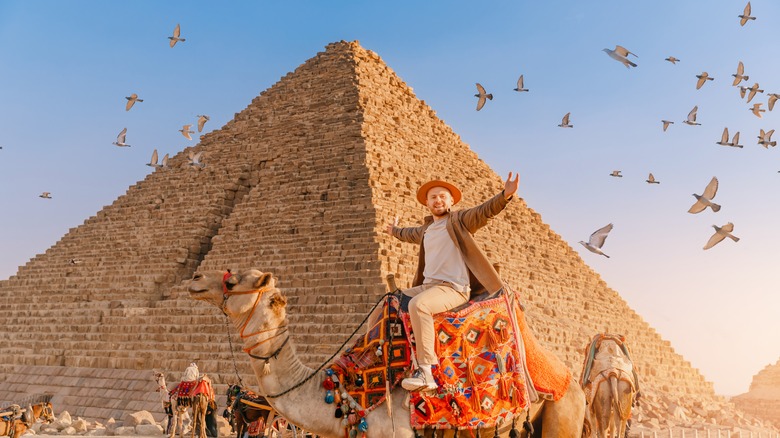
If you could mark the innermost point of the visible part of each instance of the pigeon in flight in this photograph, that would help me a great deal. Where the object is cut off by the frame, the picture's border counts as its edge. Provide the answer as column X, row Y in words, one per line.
column 520, row 85
column 120, row 139
column 175, row 38
column 651, row 180
column 45, row 195
column 756, row 110
column 75, row 261
column 753, row 90
column 195, row 160
column 703, row 77
column 620, row 54
column 724, row 138
column 131, row 100
column 720, row 234
column 745, row 15
column 202, row 119
column 616, row 173
column 765, row 139
column 666, row 124
column 185, row 131
column 705, row 200
column 735, row 141
column 597, row 239
column 692, row 117
column 672, row 59
column 565, row 121
column 742, row 91
column 153, row 161
column 164, row 163
column 739, row 76
column 772, row 99
column 482, row 96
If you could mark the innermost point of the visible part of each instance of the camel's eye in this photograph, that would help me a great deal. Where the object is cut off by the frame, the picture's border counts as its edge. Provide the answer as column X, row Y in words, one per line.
column 197, row 277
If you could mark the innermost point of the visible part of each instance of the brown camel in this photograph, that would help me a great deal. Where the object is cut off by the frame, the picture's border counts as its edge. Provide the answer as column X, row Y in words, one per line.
column 199, row 405
column 610, row 385
column 259, row 311
column 16, row 427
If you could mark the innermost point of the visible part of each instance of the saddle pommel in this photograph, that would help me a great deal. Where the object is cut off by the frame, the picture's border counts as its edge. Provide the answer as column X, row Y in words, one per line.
column 390, row 279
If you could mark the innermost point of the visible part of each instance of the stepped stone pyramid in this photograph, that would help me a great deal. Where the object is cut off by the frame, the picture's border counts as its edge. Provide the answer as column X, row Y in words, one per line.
column 763, row 398
column 301, row 183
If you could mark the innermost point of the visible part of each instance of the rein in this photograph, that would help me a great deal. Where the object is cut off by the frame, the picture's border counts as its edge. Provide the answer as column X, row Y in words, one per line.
column 227, row 293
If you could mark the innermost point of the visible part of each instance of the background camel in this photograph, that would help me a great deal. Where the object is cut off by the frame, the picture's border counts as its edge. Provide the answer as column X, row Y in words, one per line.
column 610, row 384
column 17, row 426
column 258, row 310
column 199, row 405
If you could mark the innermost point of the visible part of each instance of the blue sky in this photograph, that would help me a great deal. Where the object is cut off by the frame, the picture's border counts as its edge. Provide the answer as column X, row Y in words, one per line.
column 67, row 66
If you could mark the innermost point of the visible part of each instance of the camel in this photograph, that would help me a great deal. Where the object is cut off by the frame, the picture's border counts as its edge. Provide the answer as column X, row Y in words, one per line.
column 610, row 382
column 19, row 424
column 258, row 310
column 200, row 404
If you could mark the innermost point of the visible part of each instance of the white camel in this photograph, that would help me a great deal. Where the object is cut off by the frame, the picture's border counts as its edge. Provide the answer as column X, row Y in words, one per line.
column 259, row 310
column 176, row 412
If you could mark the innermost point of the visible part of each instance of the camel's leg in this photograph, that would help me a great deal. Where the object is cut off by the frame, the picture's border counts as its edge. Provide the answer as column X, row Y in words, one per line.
column 564, row 417
column 267, row 425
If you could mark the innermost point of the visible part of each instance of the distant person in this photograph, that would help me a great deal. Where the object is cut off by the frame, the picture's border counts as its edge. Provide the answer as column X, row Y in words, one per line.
column 450, row 264
column 191, row 374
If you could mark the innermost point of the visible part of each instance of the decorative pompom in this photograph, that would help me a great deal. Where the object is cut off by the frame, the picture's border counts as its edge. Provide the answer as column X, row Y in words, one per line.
column 328, row 384
column 528, row 427
column 352, row 418
column 328, row 397
column 359, row 381
column 338, row 413
column 514, row 433
column 363, row 425
column 352, row 433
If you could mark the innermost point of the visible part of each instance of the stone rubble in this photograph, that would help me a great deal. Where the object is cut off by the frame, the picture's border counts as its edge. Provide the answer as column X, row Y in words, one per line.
column 141, row 423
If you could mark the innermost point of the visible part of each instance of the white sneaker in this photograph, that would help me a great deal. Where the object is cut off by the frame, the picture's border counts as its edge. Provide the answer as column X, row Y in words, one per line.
column 420, row 381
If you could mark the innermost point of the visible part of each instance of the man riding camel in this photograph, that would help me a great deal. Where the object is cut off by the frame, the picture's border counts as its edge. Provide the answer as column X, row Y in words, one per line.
column 450, row 265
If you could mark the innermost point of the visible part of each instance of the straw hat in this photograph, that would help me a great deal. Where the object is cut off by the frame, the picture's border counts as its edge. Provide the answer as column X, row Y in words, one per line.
column 422, row 192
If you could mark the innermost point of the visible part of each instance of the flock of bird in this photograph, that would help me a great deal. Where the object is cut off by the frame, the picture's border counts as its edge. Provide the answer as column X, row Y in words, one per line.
column 121, row 139
column 621, row 54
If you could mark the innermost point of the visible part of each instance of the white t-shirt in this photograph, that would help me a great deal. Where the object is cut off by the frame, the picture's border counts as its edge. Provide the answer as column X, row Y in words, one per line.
column 443, row 260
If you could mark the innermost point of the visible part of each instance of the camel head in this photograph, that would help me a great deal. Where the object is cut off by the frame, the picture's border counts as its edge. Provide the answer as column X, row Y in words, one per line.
column 251, row 294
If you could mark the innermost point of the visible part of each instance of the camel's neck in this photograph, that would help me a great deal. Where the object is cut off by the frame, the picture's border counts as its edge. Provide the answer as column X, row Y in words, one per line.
column 297, row 399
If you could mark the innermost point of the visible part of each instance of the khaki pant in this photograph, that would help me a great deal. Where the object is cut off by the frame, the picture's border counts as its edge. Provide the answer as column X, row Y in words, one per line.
column 428, row 300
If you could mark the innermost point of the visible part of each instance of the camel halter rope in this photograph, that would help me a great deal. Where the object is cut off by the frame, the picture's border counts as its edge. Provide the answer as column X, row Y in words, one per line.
column 226, row 293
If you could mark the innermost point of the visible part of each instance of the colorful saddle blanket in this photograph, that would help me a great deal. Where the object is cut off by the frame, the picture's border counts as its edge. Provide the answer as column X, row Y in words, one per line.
column 185, row 391
column 483, row 376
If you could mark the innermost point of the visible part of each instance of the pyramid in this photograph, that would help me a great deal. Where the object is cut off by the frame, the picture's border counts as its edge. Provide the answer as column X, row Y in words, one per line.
column 763, row 398
column 300, row 183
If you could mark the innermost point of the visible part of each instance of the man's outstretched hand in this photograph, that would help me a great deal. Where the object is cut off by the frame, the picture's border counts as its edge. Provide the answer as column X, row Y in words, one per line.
column 510, row 187
column 390, row 226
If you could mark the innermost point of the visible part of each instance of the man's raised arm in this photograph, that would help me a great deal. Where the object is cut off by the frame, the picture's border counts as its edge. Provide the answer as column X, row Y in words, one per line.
column 408, row 234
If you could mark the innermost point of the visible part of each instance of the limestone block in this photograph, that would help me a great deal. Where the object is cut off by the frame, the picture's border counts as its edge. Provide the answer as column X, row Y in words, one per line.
column 70, row 430
column 111, row 426
column 124, row 431
column 98, row 431
column 137, row 418
column 151, row 429
column 80, row 425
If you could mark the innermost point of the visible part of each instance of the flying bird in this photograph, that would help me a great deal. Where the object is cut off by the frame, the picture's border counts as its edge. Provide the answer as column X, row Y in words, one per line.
column 202, row 119
column 120, row 139
column 75, row 261
column 616, row 173
column 195, row 160
column 131, row 100
column 742, row 90
column 164, row 163
column 482, row 96
column 705, row 199
column 597, row 239
column 691, row 120
column 175, row 38
column 672, row 59
column 153, row 161
column 651, row 179
column 185, row 131
column 620, row 54
column 765, row 139
column 753, row 90
column 735, row 141
column 520, row 85
column 756, row 110
column 720, row 234
column 45, row 195
column 739, row 76
column 666, row 124
column 724, row 138
column 703, row 77
column 772, row 99
column 565, row 121
column 745, row 15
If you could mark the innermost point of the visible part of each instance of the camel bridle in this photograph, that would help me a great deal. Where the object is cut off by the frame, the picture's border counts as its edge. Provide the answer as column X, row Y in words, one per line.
column 227, row 292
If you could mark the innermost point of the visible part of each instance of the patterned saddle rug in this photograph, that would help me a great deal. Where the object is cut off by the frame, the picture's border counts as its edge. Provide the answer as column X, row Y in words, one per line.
column 490, row 367
column 184, row 392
